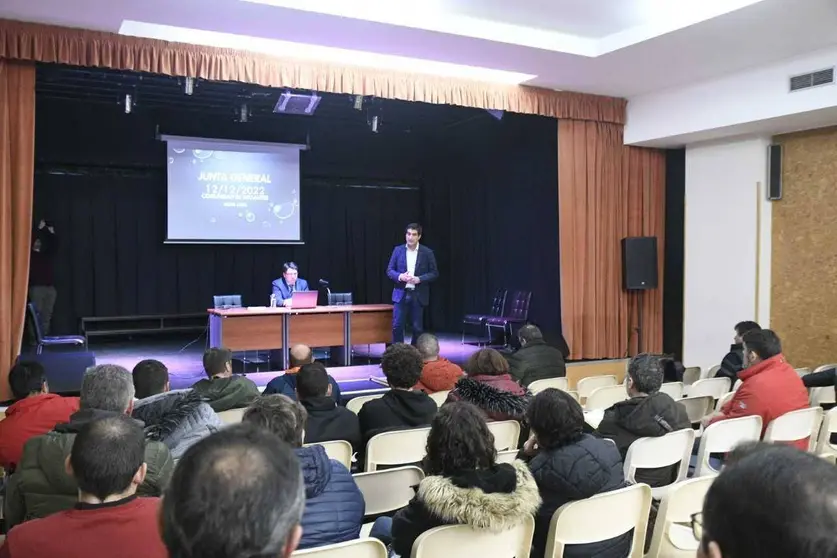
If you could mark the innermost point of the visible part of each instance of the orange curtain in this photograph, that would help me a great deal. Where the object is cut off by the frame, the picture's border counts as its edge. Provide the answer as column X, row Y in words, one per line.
column 607, row 191
column 78, row 47
column 17, row 162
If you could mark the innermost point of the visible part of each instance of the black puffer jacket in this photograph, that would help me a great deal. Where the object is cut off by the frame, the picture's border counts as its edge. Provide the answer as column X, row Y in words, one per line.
column 732, row 364
column 640, row 417
column 536, row 361
column 577, row 471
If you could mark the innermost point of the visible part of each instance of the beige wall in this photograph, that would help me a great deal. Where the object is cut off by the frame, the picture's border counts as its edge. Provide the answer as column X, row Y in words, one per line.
column 804, row 249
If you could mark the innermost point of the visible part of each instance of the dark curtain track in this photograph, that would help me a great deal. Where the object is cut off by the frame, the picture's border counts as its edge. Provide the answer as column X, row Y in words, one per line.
column 673, row 274
column 485, row 191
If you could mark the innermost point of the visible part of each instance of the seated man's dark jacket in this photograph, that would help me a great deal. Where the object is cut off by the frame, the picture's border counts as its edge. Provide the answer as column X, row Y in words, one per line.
column 397, row 409
column 223, row 394
column 732, row 364
column 286, row 385
column 644, row 417
column 536, row 361
column 328, row 421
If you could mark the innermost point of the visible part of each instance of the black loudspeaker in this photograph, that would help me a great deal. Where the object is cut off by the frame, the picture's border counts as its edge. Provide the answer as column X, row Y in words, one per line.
column 639, row 263
column 774, row 172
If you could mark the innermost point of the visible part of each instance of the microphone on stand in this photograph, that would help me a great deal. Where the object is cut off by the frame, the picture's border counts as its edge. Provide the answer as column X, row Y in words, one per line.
column 325, row 285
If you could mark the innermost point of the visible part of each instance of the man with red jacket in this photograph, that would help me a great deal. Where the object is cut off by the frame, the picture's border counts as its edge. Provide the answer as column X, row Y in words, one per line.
column 770, row 386
column 35, row 412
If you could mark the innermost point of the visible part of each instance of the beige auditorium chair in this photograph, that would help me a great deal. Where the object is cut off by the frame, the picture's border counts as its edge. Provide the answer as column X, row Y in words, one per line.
column 697, row 407
column 465, row 541
column 358, row 548
column 673, row 536
column 821, row 396
column 716, row 387
column 585, row 386
column 795, row 426
column 605, row 397
column 663, row 451
column 673, row 389
column 440, row 397
column 723, row 437
column 508, row 456
column 339, row 450
column 355, row 403
column 616, row 513
column 723, row 400
column 691, row 375
column 233, row 416
column 399, row 447
column 829, row 427
column 539, row 385
column 388, row 490
column 506, row 434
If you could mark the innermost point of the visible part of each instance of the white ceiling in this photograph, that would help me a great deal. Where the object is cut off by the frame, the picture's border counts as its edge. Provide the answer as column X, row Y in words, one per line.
column 613, row 47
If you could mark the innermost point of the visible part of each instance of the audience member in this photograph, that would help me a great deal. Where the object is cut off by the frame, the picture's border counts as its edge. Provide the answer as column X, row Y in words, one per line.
column 535, row 360
column 176, row 418
column 770, row 386
column 236, row 493
column 334, row 506
column 465, row 484
column 41, row 485
column 222, row 389
column 490, row 387
column 300, row 355
column 401, row 407
column 569, row 465
column 773, row 502
column 733, row 362
column 648, row 413
column 437, row 373
column 825, row 378
column 327, row 420
column 107, row 463
column 35, row 411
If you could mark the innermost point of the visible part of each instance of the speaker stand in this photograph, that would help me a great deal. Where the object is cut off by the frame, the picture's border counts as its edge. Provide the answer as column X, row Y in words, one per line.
column 639, row 321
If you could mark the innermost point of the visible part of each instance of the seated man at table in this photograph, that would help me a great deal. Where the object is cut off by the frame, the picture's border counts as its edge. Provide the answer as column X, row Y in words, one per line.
column 222, row 390
column 300, row 355
column 288, row 284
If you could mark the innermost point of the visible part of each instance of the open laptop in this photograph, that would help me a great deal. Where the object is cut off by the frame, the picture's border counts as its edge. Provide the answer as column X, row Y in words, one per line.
column 304, row 299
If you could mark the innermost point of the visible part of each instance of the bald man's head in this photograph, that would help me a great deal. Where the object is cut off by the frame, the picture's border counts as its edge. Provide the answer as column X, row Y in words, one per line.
column 300, row 355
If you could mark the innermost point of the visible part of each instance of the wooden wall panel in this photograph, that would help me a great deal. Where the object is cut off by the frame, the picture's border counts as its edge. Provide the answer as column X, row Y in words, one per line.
column 804, row 249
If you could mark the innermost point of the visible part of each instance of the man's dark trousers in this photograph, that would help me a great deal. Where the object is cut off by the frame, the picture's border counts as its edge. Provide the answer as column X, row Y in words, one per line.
column 408, row 308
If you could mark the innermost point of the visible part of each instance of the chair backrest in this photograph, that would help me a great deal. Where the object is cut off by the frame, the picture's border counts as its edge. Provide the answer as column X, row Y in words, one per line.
column 723, row 400
column 672, row 538
column 355, row 403
column 697, row 407
column 358, row 548
column 506, row 434
column 737, row 384
column 722, row 437
column 517, row 305
column 539, row 385
column 605, row 397
column 716, row 387
column 233, row 416
column 691, row 375
column 673, row 389
column 339, row 450
column 399, row 447
column 388, row 490
column 507, row 456
column 227, row 301
column 498, row 302
column 574, row 395
column 464, row 540
column 663, row 451
column 821, row 395
column 585, row 386
column 829, row 426
column 36, row 322
column 710, row 372
column 339, row 299
column 439, row 397
column 824, row 367
column 795, row 425
column 615, row 513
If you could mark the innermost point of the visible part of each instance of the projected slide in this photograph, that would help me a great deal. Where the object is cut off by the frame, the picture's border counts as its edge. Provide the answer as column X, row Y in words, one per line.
column 232, row 192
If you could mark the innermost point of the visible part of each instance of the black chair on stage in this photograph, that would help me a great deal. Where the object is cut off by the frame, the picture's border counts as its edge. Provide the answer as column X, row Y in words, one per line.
column 227, row 301
column 497, row 305
column 516, row 312
column 50, row 340
column 339, row 299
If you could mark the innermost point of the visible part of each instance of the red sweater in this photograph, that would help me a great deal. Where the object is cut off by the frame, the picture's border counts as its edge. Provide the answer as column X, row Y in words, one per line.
column 31, row 417
column 769, row 389
column 438, row 375
column 127, row 529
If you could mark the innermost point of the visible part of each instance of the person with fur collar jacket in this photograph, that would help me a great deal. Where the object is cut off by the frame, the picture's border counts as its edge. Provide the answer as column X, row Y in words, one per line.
column 465, row 484
column 490, row 387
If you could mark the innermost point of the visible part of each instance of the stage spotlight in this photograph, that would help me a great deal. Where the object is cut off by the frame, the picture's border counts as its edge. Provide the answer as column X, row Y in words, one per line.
column 189, row 86
column 358, row 102
column 128, row 103
column 244, row 113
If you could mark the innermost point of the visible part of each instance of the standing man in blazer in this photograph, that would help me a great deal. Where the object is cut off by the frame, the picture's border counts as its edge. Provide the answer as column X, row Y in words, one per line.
column 412, row 268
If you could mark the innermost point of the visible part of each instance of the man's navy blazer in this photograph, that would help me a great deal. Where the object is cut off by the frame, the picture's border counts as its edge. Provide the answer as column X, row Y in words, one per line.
column 426, row 271
column 283, row 291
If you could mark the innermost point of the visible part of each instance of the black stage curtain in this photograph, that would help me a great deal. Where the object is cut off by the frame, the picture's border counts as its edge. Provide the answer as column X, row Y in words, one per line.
column 486, row 192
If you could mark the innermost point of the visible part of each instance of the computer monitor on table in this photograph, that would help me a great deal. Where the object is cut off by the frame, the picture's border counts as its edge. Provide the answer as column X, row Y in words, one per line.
column 304, row 299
